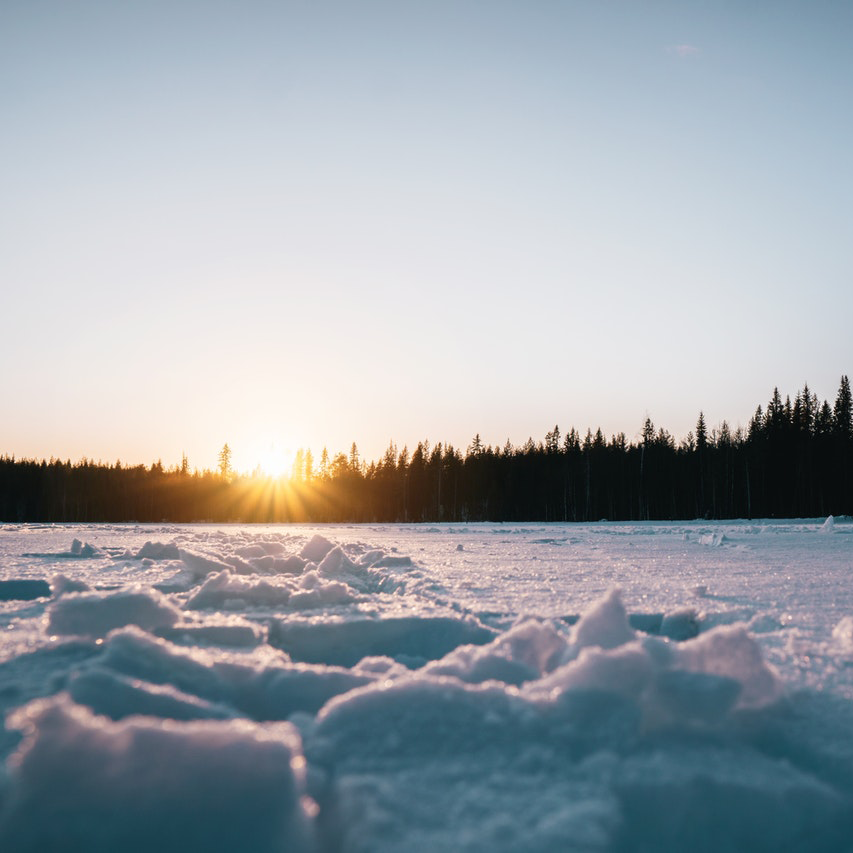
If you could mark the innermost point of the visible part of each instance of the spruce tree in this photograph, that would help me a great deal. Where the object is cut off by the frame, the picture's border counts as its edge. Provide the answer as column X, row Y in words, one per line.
column 225, row 462
column 823, row 420
column 701, row 433
column 842, row 414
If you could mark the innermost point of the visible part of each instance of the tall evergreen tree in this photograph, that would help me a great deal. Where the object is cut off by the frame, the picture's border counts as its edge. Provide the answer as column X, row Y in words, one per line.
column 224, row 460
column 775, row 416
column 701, row 434
column 824, row 420
column 552, row 440
column 843, row 411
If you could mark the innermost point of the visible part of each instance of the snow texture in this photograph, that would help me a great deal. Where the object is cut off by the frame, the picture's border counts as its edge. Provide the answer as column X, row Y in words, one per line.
column 94, row 614
column 606, row 687
column 81, row 782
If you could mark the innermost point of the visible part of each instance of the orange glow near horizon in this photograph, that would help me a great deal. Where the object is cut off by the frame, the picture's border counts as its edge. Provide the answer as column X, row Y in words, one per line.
column 282, row 499
column 274, row 459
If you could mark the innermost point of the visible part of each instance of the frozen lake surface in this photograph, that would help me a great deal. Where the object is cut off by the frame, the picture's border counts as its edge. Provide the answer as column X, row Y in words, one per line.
column 488, row 687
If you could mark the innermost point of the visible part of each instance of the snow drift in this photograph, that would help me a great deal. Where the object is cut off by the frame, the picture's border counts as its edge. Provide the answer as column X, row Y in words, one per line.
column 81, row 782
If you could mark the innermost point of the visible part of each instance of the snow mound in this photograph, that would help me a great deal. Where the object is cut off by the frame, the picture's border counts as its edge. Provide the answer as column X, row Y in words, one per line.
column 228, row 592
column 681, row 624
column 200, row 565
column 595, row 748
column 60, row 584
column 729, row 651
column 283, row 566
column 415, row 717
column 117, row 696
column 158, row 551
column 84, row 550
column 524, row 653
column 182, row 581
column 316, row 549
column 94, row 614
column 698, row 681
column 605, row 624
column 842, row 635
column 267, row 689
column 313, row 591
column 81, row 782
column 336, row 565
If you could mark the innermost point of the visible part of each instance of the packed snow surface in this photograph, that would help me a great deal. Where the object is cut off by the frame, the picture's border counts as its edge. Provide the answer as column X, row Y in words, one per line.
column 597, row 687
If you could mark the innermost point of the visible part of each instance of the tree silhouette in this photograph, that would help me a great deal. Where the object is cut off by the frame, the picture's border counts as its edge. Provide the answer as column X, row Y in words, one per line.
column 793, row 460
column 224, row 460
column 843, row 411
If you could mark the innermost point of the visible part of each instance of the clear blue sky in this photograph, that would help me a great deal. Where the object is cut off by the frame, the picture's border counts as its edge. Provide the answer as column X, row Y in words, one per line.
column 285, row 224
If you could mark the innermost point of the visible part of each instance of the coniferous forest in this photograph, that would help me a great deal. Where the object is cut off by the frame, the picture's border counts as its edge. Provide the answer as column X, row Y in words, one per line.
column 794, row 459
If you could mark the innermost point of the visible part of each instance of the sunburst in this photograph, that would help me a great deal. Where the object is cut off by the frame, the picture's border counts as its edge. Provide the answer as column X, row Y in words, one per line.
column 276, row 460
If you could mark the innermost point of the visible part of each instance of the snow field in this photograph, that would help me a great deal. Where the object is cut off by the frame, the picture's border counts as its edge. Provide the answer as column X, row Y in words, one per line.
column 287, row 689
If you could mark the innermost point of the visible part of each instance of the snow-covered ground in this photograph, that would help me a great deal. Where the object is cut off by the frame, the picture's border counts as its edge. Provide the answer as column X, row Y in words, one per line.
column 607, row 687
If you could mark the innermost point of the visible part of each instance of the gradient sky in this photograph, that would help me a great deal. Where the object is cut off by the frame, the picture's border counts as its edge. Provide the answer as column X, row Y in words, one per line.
column 285, row 224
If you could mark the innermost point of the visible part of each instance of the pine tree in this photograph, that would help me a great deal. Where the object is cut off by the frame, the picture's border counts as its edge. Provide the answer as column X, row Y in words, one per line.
column 756, row 425
column 824, row 420
column 842, row 414
column 552, row 440
column 775, row 416
column 571, row 441
column 701, row 434
column 805, row 409
column 225, row 462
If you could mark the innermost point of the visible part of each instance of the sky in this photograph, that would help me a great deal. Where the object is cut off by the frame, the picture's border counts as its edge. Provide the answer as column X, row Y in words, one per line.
column 303, row 224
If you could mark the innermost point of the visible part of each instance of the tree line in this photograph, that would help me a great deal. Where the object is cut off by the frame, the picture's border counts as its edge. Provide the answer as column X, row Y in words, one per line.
column 794, row 459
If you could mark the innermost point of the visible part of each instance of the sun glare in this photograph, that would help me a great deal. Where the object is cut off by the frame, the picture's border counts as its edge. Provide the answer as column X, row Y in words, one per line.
column 276, row 460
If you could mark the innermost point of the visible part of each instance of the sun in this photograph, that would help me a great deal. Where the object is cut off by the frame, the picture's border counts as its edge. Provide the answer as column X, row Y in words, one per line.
column 276, row 460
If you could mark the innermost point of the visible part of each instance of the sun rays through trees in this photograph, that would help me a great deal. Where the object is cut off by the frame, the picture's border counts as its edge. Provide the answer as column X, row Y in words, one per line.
column 794, row 459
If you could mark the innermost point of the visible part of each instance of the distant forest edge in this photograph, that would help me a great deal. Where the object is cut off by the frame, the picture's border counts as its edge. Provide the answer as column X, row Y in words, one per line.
column 793, row 460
